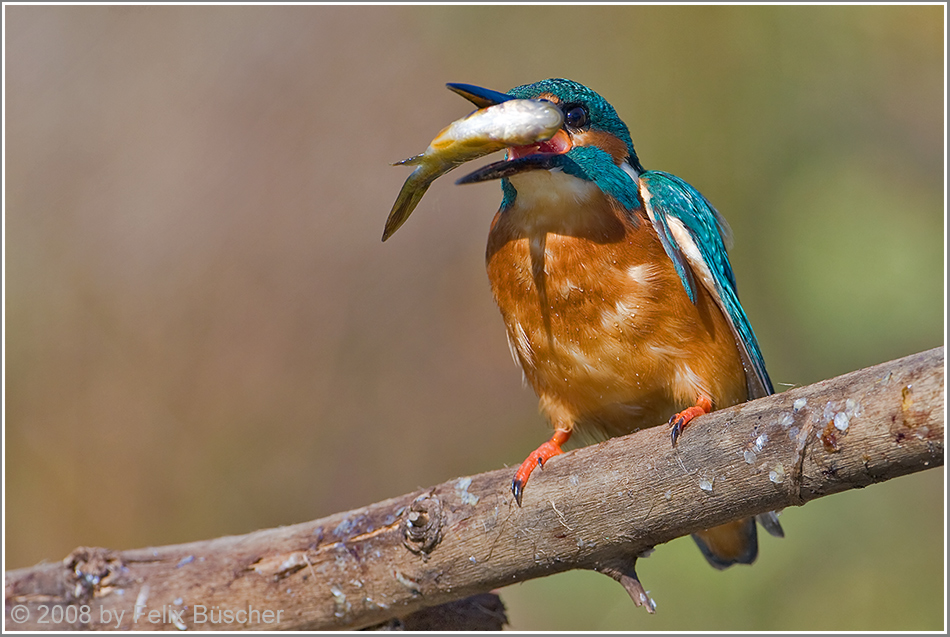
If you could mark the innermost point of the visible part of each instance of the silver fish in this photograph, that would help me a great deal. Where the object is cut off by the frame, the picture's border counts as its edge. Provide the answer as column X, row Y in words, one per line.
column 487, row 130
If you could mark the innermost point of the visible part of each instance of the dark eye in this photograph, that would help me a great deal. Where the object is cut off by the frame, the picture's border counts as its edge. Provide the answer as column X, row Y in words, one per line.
column 576, row 116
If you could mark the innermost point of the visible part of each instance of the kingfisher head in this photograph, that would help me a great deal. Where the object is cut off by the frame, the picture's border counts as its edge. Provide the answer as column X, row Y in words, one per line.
column 593, row 145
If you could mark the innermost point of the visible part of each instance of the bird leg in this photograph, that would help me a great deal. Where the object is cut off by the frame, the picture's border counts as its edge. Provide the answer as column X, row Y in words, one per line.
column 537, row 458
column 679, row 421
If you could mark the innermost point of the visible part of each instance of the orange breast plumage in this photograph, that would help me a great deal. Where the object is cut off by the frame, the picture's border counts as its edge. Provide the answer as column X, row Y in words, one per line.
column 599, row 321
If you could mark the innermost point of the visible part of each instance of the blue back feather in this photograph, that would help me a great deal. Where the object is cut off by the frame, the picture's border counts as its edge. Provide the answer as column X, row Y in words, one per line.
column 670, row 196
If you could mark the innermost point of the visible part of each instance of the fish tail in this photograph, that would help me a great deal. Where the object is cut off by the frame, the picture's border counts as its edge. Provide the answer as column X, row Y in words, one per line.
column 409, row 197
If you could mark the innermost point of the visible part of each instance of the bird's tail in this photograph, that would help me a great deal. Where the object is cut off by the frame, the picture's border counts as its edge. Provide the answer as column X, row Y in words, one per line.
column 735, row 542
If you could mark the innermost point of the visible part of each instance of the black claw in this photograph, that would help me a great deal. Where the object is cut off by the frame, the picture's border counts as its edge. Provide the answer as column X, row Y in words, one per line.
column 517, row 488
column 676, row 431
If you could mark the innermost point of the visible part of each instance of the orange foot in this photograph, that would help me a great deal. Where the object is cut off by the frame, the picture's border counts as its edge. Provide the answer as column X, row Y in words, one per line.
column 679, row 421
column 538, row 457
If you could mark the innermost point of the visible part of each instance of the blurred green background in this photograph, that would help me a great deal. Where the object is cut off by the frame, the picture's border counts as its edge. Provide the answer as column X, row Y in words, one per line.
column 205, row 336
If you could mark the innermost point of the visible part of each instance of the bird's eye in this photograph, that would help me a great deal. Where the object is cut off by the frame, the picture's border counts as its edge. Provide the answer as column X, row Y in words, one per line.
column 576, row 117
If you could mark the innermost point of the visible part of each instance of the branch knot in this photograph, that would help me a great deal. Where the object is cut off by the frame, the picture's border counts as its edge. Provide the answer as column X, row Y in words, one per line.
column 422, row 525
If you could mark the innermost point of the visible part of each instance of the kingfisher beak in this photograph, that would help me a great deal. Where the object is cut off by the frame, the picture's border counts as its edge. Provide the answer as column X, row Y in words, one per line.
column 480, row 97
column 541, row 156
column 507, row 168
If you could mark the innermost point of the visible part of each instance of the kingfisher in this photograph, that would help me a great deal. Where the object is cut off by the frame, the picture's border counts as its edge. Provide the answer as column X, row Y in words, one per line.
column 616, row 291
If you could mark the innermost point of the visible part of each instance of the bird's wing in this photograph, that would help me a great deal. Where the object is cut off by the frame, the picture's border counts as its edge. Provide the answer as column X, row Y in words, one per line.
column 694, row 236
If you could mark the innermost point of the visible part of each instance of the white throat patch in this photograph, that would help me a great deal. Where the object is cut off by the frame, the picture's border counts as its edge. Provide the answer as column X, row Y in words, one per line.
column 551, row 189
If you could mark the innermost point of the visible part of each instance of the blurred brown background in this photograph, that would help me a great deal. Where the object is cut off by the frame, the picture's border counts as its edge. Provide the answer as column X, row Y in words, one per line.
column 205, row 336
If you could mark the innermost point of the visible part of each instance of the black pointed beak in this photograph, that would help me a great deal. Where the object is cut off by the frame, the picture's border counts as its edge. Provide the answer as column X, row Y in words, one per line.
column 507, row 168
column 480, row 97
column 483, row 98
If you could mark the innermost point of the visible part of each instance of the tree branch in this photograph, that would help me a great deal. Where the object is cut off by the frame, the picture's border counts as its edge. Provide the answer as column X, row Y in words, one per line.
column 594, row 508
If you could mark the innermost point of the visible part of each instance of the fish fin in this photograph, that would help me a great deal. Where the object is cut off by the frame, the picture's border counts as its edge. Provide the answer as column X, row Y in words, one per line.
column 415, row 160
